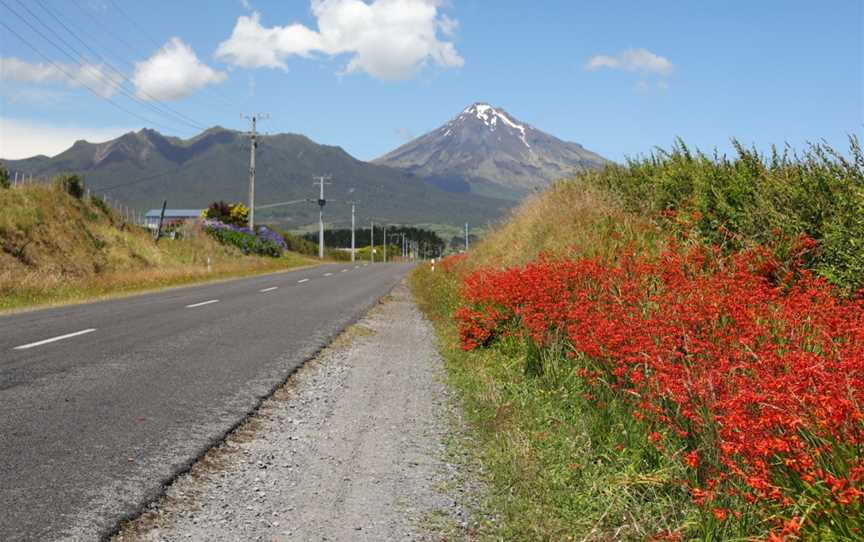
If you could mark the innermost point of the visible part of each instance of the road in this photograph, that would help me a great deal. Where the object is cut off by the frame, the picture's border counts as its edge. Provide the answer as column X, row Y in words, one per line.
column 102, row 403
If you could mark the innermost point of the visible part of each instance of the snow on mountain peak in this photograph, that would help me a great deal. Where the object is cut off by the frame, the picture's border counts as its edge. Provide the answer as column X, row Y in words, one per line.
column 490, row 116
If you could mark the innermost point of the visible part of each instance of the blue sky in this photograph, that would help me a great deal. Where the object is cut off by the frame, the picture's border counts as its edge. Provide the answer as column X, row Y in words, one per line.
column 618, row 77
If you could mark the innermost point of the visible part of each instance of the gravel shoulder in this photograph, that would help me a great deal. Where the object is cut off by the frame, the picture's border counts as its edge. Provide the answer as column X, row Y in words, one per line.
column 353, row 447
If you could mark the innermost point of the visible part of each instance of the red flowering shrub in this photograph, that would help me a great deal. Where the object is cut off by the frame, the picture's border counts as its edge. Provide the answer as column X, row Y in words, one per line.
column 751, row 375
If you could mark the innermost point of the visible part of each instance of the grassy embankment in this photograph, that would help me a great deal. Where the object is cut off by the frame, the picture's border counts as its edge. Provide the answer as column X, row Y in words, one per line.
column 575, row 446
column 55, row 248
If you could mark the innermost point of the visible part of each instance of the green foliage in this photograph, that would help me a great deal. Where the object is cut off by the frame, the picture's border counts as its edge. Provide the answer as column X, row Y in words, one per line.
column 752, row 199
column 71, row 183
column 4, row 177
column 362, row 237
column 235, row 214
column 246, row 242
column 298, row 244
column 100, row 204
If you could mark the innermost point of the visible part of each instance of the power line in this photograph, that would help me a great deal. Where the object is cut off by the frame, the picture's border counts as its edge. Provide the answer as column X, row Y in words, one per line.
column 137, row 52
column 154, row 41
column 183, row 118
column 82, row 60
column 74, row 78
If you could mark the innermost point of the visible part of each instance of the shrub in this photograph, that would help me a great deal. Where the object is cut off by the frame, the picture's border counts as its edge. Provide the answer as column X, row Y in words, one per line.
column 235, row 214
column 752, row 199
column 4, row 177
column 71, row 183
column 264, row 242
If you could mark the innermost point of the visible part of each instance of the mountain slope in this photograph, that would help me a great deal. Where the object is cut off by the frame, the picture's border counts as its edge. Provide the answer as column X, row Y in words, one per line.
column 142, row 168
column 487, row 150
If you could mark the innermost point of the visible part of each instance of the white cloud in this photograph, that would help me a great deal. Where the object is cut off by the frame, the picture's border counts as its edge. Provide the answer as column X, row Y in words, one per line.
column 94, row 76
column 246, row 5
column 173, row 73
column 25, row 138
column 388, row 39
column 640, row 61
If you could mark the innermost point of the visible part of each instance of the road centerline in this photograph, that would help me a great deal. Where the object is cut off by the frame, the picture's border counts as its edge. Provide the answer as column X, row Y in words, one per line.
column 54, row 339
column 328, row 274
column 301, row 281
column 194, row 305
column 270, row 289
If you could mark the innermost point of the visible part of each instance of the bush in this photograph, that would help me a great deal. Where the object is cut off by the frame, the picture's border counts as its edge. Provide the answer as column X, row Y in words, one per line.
column 4, row 177
column 265, row 242
column 72, row 184
column 235, row 214
column 751, row 199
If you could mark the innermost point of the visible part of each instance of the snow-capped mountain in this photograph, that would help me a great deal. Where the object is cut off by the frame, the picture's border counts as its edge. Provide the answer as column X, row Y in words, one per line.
column 487, row 149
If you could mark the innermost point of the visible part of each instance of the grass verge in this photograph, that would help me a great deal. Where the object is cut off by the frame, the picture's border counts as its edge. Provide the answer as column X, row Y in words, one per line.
column 555, row 468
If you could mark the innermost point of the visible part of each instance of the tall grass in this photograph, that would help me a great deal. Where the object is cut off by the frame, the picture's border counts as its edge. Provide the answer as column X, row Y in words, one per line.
column 752, row 199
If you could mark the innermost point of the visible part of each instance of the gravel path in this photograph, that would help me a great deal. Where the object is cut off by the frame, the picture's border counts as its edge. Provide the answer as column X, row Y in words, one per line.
column 352, row 448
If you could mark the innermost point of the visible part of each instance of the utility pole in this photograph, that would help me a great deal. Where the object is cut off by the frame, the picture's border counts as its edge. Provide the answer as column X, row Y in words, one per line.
column 372, row 243
column 466, row 237
column 352, row 232
column 385, row 243
column 321, row 181
column 253, row 136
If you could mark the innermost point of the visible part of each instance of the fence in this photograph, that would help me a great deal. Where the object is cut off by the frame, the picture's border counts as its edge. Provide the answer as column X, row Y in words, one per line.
column 21, row 179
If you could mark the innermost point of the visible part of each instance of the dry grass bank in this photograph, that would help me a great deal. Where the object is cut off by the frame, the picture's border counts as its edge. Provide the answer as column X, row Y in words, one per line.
column 55, row 248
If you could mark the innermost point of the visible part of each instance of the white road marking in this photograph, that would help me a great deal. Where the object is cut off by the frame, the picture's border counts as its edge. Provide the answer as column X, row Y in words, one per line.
column 301, row 281
column 270, row 289
column 328, row 274
column 55, row 339
column 202, row 303
column 344, row 270
column 356, row 267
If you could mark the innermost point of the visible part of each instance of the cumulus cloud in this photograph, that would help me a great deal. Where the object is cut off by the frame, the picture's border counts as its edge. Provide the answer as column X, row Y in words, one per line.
column 641, row 61
column 387, row 39
column 173, row 73
column 93, row 76
column 25, row 138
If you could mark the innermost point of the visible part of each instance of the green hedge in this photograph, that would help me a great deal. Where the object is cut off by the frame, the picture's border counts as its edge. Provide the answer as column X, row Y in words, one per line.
column 751, row 198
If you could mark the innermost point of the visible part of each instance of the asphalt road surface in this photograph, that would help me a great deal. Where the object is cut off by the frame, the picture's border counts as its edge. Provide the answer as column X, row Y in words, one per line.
column 102, row 403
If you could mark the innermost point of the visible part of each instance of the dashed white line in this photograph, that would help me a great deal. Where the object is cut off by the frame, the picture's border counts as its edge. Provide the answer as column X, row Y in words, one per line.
column 301, row 281
column 192, row 306
column 55, row 339
column 328, row 274
column 344, row 271
column 270, row 289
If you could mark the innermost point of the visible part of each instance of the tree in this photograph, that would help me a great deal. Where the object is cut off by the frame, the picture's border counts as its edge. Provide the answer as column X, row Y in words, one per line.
column 71, row 183
column 4, row 177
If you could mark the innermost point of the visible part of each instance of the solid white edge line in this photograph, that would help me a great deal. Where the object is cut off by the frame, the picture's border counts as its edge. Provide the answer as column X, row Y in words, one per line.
column 192, row 306
column 301, row 281
column 270, row 289
column 55, row 339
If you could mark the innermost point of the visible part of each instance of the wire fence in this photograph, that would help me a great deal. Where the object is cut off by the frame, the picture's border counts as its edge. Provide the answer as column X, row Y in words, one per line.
column 22, row 179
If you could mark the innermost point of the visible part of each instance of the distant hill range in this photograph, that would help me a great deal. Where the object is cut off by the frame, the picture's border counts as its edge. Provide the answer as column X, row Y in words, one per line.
column 486, row 150
column 142, row 168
